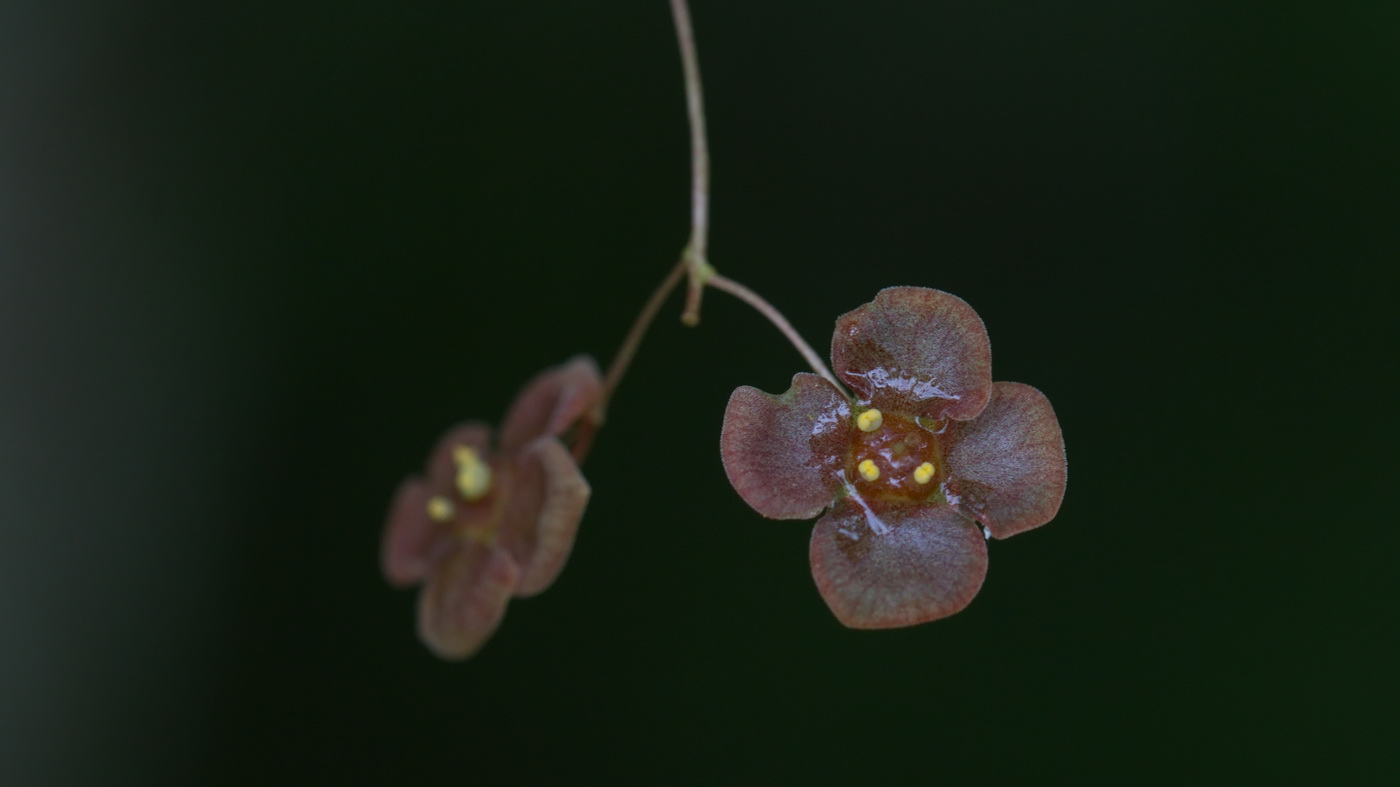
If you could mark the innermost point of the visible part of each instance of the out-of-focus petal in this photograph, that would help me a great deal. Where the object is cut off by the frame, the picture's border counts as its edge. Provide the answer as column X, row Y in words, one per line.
column 413, row 543
column 441, row 467
column 547, row 498
column 549, row 403
column 464, row 601
column 898, row 567
column 915, row 350
column 784, row 454
column 1008, row 464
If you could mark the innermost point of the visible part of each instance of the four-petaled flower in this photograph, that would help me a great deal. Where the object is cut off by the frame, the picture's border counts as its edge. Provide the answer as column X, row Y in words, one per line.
column 928, row 448
column 486, row 525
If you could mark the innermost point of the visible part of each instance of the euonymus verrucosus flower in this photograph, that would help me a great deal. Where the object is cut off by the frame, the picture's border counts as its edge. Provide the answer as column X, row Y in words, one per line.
column 925, row 453
column 489, row 523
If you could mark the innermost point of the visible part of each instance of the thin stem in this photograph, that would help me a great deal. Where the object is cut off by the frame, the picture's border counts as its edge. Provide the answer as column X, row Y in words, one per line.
column 696, row 249
column 699, row 150
column 693, row 262
column 623, row 359
column 776, row 317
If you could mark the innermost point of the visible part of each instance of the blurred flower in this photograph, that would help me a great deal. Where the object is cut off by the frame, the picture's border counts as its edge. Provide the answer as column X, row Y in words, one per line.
column 928, row 448
column 490, row 523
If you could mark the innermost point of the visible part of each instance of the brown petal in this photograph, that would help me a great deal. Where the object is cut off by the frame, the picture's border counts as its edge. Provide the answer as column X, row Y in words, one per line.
column 413, row 543
column 441, row 467
column 916, row 351
column 463, row 602
column 551, row 402
column 547, row 498
column 897, row 567
column 1008, row 464
column 783, row 454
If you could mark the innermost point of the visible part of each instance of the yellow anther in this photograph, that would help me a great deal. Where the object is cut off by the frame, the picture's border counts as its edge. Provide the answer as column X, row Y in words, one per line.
column 923, row 473
column 870, row 420
column 868, row 470
column 473, row 475
column 439, row 508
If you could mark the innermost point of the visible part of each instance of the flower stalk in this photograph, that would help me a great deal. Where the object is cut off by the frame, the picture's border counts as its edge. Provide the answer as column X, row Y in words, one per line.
column 694, row 262
column 780, row 322
column 694, row 256
column 624, row 356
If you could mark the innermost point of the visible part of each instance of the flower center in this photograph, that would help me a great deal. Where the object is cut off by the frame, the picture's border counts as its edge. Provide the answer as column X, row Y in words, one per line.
column 896, row 458
column 475, row 512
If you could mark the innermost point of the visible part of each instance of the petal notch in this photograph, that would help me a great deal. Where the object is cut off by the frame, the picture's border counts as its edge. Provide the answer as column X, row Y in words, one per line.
column 915, row 350
column 1008, row 465
column 784, row 454
column 465, row 599
column 899, row 567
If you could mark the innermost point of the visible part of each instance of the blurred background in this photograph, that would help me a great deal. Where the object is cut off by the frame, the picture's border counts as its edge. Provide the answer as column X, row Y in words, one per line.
column 253, row 260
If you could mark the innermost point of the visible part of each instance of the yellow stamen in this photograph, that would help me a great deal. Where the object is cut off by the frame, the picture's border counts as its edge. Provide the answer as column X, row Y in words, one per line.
column 870, row 420
column 868, row 470
column 473, row 475
column 439, row 508
column 923, row 473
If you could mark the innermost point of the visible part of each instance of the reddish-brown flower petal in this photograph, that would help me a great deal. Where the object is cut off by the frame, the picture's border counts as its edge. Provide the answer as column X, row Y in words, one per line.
column 916, row 351
column 897, row 567
column 464, row 601
column 783, row 454
column 441, row 467
column 413, row 542
column 551, row 402
column 1008, row 465
column 547, row 497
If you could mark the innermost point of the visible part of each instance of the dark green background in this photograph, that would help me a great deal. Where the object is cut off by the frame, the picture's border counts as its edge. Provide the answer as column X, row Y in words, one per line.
column 253, row 261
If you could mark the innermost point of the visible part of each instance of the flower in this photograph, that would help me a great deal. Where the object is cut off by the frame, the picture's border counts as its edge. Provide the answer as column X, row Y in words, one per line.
column 488, row 524
column 928, row 448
